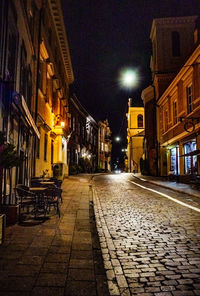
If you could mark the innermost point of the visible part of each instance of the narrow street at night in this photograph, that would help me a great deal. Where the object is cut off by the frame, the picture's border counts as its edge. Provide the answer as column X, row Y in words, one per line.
column 150, row 243
column 99, row 148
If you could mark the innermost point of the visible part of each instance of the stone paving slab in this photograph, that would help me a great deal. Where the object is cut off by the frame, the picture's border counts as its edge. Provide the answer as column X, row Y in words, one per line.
column 57, row 256
column 150, row 245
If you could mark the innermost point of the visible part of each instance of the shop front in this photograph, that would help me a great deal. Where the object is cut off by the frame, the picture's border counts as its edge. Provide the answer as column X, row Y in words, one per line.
column 190, row 157
column 174, row 166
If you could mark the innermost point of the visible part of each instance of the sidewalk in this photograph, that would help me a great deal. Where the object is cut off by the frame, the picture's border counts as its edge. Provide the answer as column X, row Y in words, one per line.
column 179, row 187
column 60, row 257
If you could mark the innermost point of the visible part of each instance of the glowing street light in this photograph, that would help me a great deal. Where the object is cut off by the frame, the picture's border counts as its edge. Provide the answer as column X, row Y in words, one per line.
column 117, row 139
column 128, row 78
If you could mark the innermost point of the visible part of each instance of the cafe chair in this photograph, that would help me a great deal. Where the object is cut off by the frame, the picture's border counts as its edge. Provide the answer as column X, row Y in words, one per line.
column 25, row 198
column 52, row 200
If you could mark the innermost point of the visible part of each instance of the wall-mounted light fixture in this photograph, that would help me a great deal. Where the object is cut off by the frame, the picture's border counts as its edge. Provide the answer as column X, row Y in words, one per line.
column 59, row 121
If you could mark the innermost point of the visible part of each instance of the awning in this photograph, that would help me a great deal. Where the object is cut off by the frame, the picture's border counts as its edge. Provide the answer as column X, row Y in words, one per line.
column 21, row 103
column 192, row 153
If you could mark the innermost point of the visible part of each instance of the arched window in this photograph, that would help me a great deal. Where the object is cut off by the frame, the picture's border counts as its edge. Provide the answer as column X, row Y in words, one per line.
column 176, row 44
column 140, row 121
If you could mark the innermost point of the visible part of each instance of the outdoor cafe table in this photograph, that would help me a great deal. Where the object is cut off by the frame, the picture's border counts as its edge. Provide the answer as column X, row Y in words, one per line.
column 42, row 179
column 37, row 189
column 40, row 200
column 47, row 182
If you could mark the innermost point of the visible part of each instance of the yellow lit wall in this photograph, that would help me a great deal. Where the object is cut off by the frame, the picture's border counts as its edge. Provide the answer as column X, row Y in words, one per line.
column 135, row 138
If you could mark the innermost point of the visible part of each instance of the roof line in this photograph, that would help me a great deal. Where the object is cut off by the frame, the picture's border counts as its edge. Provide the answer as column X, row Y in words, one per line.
column 56, row 11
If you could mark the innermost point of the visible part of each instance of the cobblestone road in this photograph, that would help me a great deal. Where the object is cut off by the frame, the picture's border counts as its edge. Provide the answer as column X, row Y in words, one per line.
column 150, row 245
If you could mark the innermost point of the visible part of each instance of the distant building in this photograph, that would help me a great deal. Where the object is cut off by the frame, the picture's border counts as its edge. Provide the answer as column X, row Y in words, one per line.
column 83, row 141
column 135, row 137
column 172, row 43
column 105, row 146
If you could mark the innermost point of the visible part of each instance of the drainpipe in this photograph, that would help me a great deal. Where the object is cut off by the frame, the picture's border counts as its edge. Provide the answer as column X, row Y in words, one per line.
column 37, row 83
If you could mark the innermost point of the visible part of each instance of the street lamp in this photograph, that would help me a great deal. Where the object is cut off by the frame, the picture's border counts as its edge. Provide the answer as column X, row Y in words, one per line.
column 117, row 139
column 128, row 78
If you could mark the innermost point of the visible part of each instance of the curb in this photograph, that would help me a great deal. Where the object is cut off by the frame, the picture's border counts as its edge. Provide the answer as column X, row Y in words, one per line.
column 108, row 250
column 167, row 187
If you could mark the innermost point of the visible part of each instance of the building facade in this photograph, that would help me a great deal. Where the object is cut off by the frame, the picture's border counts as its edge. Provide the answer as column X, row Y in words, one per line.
column 104, row 146
column 35, row 73
column 55, row 74
column 83, row 141
column 179, row 113
column 172, row 43
column 135, row 137
column 18, row 71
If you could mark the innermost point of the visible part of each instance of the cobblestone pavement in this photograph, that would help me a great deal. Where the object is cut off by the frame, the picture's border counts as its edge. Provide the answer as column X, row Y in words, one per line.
column 150, row 245
column 59, row 257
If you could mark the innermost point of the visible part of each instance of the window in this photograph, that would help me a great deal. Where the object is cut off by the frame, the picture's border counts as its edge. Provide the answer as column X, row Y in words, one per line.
column 189, row 99
column 83, row 132
column 175, row 112
column 190, row 161
column 140, row 121
column 166, row 120
column 45, row 146
column 29, row 87
column 32, row 13
column 37, row 147
column 49, row 89
column 175, row 44
column 23, row 71
column 73, row 124
column 12, row 52
column 40, row 74
column 79, row 128
column 52, row 151
column 173, row 158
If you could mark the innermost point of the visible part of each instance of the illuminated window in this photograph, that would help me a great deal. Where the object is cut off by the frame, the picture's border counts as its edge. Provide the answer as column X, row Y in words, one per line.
column 140, row 121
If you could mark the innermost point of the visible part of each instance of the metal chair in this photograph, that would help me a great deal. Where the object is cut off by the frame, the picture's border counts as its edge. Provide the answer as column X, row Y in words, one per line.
column 26, row 199
column 52, row 200
column 57, row 190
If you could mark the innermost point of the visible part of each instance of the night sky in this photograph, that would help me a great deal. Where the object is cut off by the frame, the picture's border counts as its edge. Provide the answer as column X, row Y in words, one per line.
column 104, row 37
